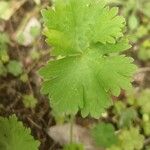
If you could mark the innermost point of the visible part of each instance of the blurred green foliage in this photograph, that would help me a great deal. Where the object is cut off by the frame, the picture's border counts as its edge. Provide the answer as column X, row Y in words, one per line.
column 14, row 67
column 73, row 146
column 29, row 101
column 129, row 139
column 104, row 135
column 144, row 51
column 131, row 116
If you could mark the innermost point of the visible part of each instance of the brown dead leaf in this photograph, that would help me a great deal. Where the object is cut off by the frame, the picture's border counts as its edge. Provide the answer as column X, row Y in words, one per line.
column 61, row 135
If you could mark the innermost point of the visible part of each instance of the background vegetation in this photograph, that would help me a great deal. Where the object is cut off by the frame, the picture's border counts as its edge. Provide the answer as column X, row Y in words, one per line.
column 23, row 51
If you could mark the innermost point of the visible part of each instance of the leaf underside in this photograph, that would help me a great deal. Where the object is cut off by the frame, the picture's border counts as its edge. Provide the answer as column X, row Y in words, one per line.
column 88, row 36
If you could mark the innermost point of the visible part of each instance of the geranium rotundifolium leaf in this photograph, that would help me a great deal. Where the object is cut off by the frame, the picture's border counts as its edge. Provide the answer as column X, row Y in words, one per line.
column 73, row 26
column 14, row 136
column 119, row 46
column 87, row 34
column 81, row 82
column 104, row 135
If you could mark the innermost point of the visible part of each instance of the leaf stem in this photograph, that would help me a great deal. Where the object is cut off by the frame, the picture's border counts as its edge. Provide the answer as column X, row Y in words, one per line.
column 71, row 128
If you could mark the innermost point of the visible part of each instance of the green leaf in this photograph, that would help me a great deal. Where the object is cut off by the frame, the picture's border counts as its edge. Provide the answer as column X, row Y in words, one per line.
column 4, row 40
column 118, row 107
column 29, row 101
column 73, row 26
column 14, row 136
column 146, row 127
column 133, row 22
column 144, row 101
column 144, row 51
column 144, row 54
column 73, row 146
column 127, row 117
column 119, row 46
column 131, row 139
column 145, row 8
column 35, row 31
column 90, row 69
column 24, row 78
column 34, row 54
column 104, row 135
column 84, row 82
column 114, row 147
column 14, row 67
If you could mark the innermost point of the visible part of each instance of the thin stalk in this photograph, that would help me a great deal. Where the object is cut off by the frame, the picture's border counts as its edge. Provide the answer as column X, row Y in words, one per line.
column 71, row 128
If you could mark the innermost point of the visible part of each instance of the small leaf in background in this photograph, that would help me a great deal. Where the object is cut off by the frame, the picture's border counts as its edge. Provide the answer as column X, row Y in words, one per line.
column 29, row 101
column 131, row 100
column 104, row 135
column 35, row 31
column 144, row 101
column 24, row 77
column 142, row 30
column 144, row 51
column 144, row 54
column 133, row 22
column 131, row 139
column 14, row 67
column 146, row 117
column 146, row 127
column 14, row 136
column 20, row 38
column 145, row 9
column 4, row 40
column 4, row 57
column 146, row 43
column 73, row 146
column 127, row 116
column 146, row 124
column 118, row 107
column 34, row 54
